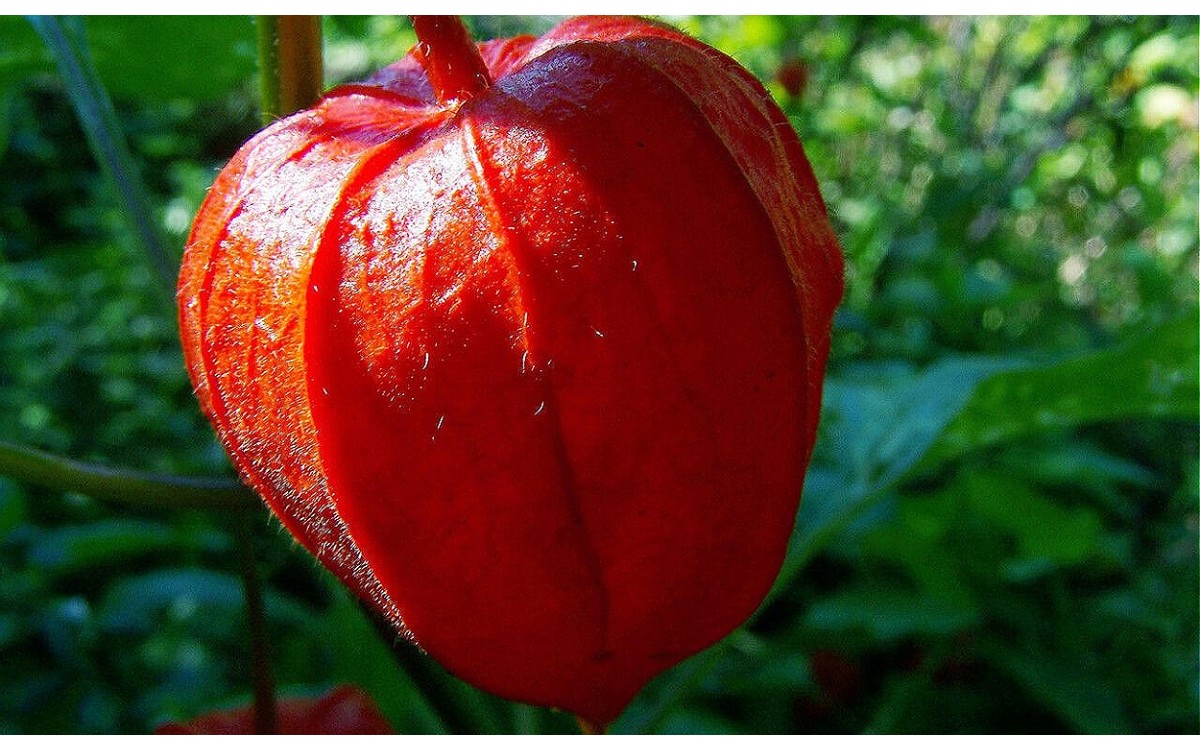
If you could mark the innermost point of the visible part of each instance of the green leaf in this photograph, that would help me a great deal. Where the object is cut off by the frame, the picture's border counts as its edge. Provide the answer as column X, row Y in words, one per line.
column 757, row 666
column 137, row 604
column 887, row 613
column 148, row 58
column 74, row 548
column 914, row 541
column 1154, row 376
column 6, row 118
column 875, row 434
column 1080, row 463
column 22, row 53
column 363, row 659
column 688, row 721
column 878, row 435
column 1043, row 529
column 157, row 58
column 1070, row 688
column 12, row 507
column 877, row 431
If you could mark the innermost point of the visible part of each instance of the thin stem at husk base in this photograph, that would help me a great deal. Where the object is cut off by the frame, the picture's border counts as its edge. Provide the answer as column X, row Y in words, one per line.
column 266, row 717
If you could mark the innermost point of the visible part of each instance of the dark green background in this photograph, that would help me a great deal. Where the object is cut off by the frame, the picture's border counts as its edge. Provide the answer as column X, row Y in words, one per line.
column 999, row 530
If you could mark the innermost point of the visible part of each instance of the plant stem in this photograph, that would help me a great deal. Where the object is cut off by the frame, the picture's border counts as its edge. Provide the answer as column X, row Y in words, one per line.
column 450, row 58
column 291, row 78
column 290, row 65
column 159, row 491
column 266, row 718
column 65, row 39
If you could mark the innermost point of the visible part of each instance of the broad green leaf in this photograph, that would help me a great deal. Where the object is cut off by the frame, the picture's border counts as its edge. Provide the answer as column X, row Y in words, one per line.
column 874, row 434
column 913, row 541
column 877, row 435
column 878, row 432
column 135, row 605
column 149, row 58
column 156, row 58
column 756, row 666
column 75, row 548
column 687, row 721
column 1044, row 530
column 12, row 506
column 1079, row 462
column 1073, row 690
column 6, row 117
column 22, row 53
column 888, row 613
column 1154, row 376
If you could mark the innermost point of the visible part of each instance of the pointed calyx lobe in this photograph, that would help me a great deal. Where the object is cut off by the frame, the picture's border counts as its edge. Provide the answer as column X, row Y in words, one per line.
column 536, row 371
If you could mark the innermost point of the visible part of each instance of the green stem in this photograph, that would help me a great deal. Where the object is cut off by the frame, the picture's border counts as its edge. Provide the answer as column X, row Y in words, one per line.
column 290, row 66
column 65, row 39
column 159, row 491
column 266, row 717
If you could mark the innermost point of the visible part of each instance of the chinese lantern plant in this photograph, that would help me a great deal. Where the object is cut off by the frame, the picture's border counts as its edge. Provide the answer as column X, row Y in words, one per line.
column 525, row 342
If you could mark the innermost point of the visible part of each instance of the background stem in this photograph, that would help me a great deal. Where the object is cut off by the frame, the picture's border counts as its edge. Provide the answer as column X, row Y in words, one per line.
column 291, row 68
column 266, row 719
column 159, row 491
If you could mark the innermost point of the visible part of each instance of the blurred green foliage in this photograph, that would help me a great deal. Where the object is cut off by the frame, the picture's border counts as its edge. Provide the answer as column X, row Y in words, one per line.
column 999, row 531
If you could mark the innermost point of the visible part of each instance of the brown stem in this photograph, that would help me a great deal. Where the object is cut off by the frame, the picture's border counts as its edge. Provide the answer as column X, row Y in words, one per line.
column 266, row 718
column 450, row 58
column 291, row 68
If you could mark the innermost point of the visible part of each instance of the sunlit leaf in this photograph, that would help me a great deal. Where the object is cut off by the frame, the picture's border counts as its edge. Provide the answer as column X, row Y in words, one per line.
column 149, row 58
column 1154, row 376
